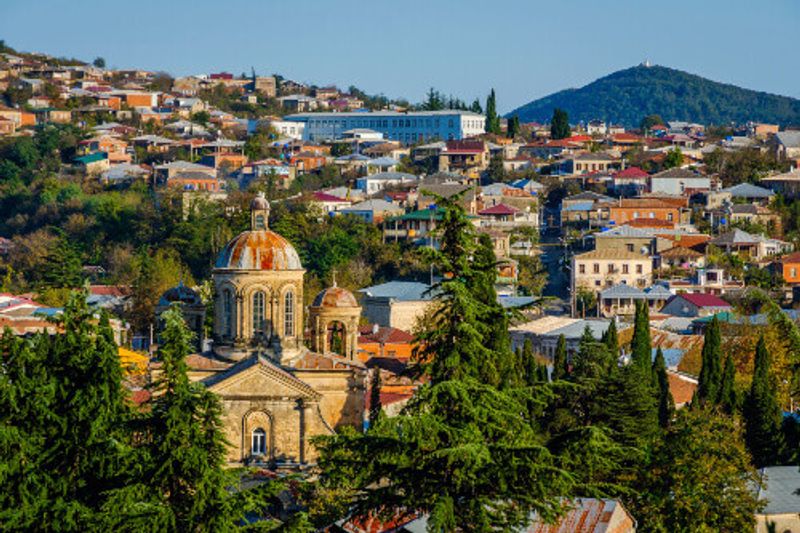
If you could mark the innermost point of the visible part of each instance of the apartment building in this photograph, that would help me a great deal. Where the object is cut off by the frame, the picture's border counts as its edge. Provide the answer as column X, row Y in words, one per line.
column 600, row 269
column 407, row 128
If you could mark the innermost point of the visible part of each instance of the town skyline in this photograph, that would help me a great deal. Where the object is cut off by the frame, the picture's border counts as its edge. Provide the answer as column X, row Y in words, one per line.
column 540, row 50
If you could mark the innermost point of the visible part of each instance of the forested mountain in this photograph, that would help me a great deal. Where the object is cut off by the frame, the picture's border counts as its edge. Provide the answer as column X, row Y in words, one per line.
column 629, row 95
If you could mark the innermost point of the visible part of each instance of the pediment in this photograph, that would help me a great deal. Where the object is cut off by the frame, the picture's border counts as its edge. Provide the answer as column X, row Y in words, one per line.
column 261, row 378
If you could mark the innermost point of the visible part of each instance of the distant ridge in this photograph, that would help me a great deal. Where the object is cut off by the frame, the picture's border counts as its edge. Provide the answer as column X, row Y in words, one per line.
column 626, row 96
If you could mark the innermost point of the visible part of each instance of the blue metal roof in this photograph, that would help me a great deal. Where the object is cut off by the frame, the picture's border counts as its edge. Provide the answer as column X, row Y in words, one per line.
column 580, row 206
column 399, row 290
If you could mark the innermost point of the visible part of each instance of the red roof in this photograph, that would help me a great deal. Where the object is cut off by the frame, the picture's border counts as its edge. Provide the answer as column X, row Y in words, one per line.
column 384, row 335
column 631, row 172
column 499, row 209
column 579, row 139
column 704, row 300
column 325, row 197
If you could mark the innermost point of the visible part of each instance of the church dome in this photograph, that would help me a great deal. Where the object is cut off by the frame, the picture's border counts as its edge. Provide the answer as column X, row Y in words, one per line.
column 181, row 294
column 259, row 250
column 335, row 297
column 259, row 203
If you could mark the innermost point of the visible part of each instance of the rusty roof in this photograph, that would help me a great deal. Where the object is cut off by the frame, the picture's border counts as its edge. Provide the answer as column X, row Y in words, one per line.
column 259, row 250
column 335, row 297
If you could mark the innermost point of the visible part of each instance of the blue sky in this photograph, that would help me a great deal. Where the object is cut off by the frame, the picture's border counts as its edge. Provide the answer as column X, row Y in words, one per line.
column 524, row 49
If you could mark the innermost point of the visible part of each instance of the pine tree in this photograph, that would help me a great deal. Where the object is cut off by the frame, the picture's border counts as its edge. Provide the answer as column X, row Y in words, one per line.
column 560, row 362
column 762, row 414
column 64, row 268
column 460, row 451
column 629, row 407
column 559, row 125
column 641, row 346
column 476, row 107
column 711, row 365
column 666, row 405
column 727, row 391
column 492, row 120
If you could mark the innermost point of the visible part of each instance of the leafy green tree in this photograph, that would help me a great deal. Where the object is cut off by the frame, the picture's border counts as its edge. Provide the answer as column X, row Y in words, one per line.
column 700, row 478
column 651, row 120
column 641, row 345
column 99, row 62
column 674, row 158
column 492, row 119
column 560, row 360
column 666, row 404
column 559, row 125
column 708, row 386
column 762, row 414
column 459, row 452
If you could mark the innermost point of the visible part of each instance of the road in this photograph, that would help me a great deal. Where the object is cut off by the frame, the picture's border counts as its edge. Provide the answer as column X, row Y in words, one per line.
column 557, row 286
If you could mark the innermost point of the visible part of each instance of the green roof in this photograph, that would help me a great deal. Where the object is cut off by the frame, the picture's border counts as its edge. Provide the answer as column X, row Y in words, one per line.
column 425, row 214
column 91, row 158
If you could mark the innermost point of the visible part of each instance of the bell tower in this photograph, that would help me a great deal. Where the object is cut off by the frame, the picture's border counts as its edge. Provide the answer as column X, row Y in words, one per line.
column 259, row 213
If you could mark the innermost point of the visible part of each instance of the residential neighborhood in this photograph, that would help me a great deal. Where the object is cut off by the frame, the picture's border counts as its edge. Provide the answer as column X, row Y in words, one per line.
column 244, row 300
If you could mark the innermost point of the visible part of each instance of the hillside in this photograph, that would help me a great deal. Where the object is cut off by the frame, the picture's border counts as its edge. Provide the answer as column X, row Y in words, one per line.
column 628, row 95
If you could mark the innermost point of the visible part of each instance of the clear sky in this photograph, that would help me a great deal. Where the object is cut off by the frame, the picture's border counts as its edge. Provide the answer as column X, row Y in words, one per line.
column 524, row 49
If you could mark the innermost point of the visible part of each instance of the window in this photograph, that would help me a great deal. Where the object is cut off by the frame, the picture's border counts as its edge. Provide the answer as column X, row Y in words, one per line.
column 629, row 247
column 652, row 215
column 582, row 269
column 227, row 312
column 259, row 442
column 260, row 222
column 635, row 214
column 610, row 268
column 288, row 314
column 259, row 313
column 638, row 269
column 625, row 268
column 596, row 268
column 597, row 282
column 669, row 217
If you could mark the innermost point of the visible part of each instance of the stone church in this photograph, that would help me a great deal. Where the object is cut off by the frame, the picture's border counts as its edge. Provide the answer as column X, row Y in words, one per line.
column 277, row 393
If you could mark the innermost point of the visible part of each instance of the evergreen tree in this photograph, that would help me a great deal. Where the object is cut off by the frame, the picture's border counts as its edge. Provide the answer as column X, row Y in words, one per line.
column 641, row 346
column 492, row 120
column 375, row 407
column 560, row 362
column 611, row 339
column 629, row 407
column 513, row 127
column 710, row 379
column 727, row 391
column 762, row 414
column 434, row 101
column 63, row 266
column 666, row 405
column 559, row 125
column 476, row 106
column 460, row 451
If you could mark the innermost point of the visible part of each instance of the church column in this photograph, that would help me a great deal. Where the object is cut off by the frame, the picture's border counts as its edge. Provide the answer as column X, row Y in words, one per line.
column 304, row 407
column 239, row 317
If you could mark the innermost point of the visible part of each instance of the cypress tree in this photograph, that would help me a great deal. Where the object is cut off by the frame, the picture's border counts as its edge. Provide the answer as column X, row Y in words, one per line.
column 460, row 451
column 711, row 366
column 559, row 125
column 666, row 405
column 611, row 339
column 560, row 362
column 641, row 346
column 762, row 414
column 513, row 127
column 492, row 120
column 727, row 391
column 375, row 407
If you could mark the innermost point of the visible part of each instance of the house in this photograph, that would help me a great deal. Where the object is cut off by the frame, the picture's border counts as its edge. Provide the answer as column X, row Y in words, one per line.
column 788, row 267
column 757, row 247
column 622, row 299
column 585, row 206
column 544, row 333
column 93, row 163
column 626, row 238
column 741, row 192
column 682, row 257
column 787, row 183
column 328, row 203
column 754, row 214
column 467, row 156
column 381, row 341
column 115, row 148
column 124, row 173
column 590, row 162
column 695, row 305
column 376, row 183
column 778, row 488
column 631, row 181
column 194, row 181
column 674, row 210
column 7, row 126
column 679, row 182
column 600, row 269
column 373, row 211
column 505, row 216
column 596, row 127
column 166, row 171
column 786, row 144
column 397, row 304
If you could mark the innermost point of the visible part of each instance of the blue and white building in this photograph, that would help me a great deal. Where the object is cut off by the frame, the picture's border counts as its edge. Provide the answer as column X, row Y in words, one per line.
column 407, row 128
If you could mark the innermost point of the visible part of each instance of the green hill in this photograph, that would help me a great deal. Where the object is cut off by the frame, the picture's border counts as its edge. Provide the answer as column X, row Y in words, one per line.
column 628, row 95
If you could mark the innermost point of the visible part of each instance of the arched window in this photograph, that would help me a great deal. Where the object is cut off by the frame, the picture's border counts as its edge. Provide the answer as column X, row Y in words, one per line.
column 227, row 313
column 260, row 222
column 259, row 313
column 259, row 442
column 288, row 314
